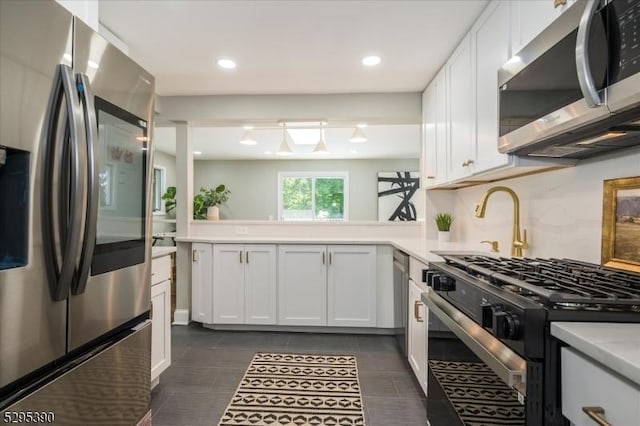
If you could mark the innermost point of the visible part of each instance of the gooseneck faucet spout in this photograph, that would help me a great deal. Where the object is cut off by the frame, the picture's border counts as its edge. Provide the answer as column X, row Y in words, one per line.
column 518, row 243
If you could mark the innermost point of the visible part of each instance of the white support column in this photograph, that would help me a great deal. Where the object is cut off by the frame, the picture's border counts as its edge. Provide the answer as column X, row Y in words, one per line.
column 184, row 214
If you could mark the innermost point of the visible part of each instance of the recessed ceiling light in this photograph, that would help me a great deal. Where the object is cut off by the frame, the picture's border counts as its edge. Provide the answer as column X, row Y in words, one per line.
column 226, row 64
column 268, row 152
column 371, row 60
column 361, row 125
column 248, row 127
column 197, row 152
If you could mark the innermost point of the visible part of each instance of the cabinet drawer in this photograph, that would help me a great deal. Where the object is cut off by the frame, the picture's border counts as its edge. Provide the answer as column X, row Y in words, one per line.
column 415, row 269
column 160, row 269
column 585, row 383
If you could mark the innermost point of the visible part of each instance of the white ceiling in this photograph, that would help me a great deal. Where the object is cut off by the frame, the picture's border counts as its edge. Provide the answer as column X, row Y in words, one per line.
column 285, row 47
column 222, row 143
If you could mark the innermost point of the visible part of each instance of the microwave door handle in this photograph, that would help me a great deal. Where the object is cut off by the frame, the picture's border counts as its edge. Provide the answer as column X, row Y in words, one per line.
column 91, row 216
column 585, row 78
column 76, row 206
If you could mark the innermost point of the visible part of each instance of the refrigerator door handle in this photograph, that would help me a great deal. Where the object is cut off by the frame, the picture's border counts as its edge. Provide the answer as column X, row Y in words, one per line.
column 62, row 238
column 91, row 216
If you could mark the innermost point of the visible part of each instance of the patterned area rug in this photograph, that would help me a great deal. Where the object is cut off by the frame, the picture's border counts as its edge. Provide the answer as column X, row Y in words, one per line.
column 297, row 390
column 477, row 394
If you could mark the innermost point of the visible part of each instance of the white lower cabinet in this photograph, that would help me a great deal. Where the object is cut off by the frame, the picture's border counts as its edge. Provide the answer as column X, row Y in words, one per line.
column 201, row 283
column 586, row 383
column 302, row 285
column 351, row 286
column 417, row 330
column 244, row 284
column 327, row 285
column 160, row 315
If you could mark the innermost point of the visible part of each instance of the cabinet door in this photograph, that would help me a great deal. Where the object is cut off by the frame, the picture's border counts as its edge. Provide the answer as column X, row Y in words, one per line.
column 417, row 335
column 442, row 126
column 160, row 328
column 302, row 285
column 201, row 283
column 228, row 283
column 260, row 284
column 490, row 37
column 461, row 106
column 351, row 286
column 529, row 18
column 429, row 152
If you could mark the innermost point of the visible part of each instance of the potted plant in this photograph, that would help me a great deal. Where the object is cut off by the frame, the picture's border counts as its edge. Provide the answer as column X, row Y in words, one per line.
column 169, row 198
column 205, row 204
column 443, row 222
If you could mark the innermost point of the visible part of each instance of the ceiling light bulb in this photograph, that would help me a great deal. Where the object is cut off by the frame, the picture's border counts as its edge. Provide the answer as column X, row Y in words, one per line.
column 361, row 125
column 371, row 61
column 226, row 64
column 358, row 136
column 284, row 149
column 248, row 138
column 197, row 152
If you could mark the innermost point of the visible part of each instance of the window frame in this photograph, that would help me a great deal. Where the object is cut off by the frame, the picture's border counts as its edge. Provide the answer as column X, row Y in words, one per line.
column 163, row 189
column 314, row 175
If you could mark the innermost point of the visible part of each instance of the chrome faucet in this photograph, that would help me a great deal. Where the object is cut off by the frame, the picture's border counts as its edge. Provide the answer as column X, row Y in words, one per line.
column 518, row 243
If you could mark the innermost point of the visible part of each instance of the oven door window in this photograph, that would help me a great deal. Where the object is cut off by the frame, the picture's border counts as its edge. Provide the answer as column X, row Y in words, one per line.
column 122, row 161
column 550, row 82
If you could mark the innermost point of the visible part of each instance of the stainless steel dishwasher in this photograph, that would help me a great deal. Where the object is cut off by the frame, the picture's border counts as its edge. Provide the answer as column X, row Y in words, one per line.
column 400, row 297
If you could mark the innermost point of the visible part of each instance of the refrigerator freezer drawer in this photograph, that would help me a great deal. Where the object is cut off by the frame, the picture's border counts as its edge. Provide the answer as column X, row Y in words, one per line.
column 111, row 388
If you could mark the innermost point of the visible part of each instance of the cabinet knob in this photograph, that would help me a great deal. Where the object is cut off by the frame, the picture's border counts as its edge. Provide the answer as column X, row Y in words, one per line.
column 431, row 177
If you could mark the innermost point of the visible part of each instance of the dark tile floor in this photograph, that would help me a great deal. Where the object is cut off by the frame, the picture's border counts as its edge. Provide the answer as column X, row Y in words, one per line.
column 208, row 365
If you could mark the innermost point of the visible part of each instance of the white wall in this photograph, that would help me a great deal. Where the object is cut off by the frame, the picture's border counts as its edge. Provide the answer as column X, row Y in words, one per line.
column 561, row 209
column 254, row 184
column 87, row 10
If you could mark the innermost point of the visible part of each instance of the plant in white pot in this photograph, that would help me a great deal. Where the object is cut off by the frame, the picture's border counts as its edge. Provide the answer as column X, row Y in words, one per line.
column 205, row 204
column 443, row 222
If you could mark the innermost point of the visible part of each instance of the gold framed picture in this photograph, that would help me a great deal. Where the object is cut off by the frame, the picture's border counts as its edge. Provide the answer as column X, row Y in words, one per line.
column 621, row 223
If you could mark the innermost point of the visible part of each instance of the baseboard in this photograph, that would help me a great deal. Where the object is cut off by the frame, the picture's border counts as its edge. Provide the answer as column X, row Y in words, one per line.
column 181, row 317
column 303, row 329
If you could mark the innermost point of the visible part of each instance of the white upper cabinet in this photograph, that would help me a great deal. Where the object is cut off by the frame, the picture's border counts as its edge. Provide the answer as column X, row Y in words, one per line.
column 201, row 283
column 490, row 36
column 529, row 18
column 435, row 131
column 463, row 100
column 351, row 286
column 460, row 86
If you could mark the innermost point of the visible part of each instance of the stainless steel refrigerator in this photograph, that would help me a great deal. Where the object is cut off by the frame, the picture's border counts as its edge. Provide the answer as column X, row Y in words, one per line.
column 75, row 146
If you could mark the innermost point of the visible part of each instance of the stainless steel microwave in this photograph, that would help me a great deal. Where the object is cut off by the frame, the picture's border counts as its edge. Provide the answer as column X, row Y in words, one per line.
column 574, row 91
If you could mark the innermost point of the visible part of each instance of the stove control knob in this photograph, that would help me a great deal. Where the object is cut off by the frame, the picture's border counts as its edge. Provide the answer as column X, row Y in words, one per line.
column 506, row 325
column 487, row 315
column 447, row 283
column 435, row 282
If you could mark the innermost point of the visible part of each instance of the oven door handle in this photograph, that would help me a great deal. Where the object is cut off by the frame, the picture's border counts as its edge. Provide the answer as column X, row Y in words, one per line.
column 508, row 365
column 585, row 78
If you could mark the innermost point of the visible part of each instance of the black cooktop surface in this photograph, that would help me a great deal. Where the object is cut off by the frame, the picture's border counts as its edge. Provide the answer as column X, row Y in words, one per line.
column 561, row 283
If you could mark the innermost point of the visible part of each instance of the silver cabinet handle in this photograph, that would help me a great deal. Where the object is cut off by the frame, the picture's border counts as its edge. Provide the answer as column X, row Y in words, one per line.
column 329, row 258
column 597, row 415
column 431, row 177
column 416, row 311
column 323, row 258
column 194, row 257
column 240, row 253
column 247, row 256
column 585, row 78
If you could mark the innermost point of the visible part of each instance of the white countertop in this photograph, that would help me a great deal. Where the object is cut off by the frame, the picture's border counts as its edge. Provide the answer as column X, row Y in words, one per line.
column 161, row 251
column 617, row 346
column 416, row 247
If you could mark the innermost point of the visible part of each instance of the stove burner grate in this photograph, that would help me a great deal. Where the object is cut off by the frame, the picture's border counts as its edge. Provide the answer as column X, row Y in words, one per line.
column 561, row 283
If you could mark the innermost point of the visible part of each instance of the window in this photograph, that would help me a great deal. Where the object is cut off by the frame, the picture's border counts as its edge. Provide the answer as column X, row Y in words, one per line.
column 158, row 189
column 306, row 196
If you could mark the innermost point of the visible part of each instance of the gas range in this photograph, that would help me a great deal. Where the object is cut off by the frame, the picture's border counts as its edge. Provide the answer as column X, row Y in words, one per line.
column 502, row 309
